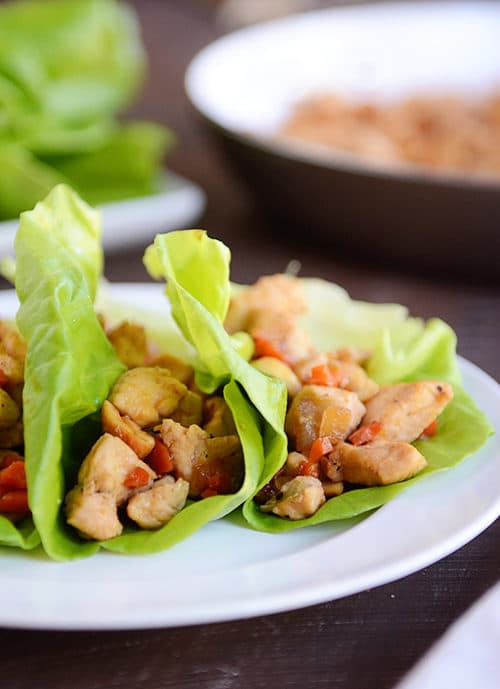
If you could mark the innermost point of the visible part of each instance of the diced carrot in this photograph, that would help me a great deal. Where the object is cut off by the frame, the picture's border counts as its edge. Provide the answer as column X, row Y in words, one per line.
column 209, row 493
column 265, row 347
column 431, row 430
column 137, row 478
column 10, row 458
column 4, row 378
column 319, row 448
column 366, row 433
column 309, row 469
column 14, row 502
column 327, row 375
column 160, row 459
column 13, row 476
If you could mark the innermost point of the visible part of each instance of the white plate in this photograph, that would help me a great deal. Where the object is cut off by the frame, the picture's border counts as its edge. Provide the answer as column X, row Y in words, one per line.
column 136, row 221
column 227, row 572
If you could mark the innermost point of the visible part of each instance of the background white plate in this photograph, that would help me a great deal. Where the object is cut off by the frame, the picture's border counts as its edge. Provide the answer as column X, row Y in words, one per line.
column 131, row 222
column 226, row 571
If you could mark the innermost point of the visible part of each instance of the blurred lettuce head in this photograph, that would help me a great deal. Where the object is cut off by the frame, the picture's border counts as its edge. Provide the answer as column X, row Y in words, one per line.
column 67, row 69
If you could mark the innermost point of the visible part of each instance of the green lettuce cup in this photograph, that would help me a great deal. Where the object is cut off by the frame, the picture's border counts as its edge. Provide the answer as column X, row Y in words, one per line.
column 71, row 367
column 404, row 349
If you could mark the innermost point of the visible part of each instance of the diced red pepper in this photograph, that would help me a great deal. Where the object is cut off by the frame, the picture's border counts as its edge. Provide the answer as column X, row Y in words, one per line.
column 10, row 458
column 366, row 433
column 137, row 478
column 265, row 347
column 13, row 476
column 14, row 502
column 431, row 430
column 319, row 448
column 327, row 375
column 309, row 469
column 4, row 378
column 160, row 459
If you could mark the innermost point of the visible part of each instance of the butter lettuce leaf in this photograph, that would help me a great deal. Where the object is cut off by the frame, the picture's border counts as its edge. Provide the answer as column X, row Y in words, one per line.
column 78, row 60
column 70, row 369
column 70, row 364
column 196, row 268
column 67, row 70
column 125, row 166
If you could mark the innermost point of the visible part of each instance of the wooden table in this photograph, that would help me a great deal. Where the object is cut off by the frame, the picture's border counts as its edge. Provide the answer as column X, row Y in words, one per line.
column 365, row 641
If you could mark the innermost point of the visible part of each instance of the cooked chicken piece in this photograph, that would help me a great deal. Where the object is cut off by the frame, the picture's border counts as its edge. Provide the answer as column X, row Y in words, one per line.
column 274, row 367
column 378, row 464
column 357, row 380
column 12, row 367
column 198, row 457
column 142, row 443
column 270, row 308
column 147, row 395
column 218, row 418
column 277, row 293
column 178, row 369
column 187, row 446
column 155, row 507
column 93, row 514
column 13, row 436
column 299, row 498
column 303, row 368
column 12, row 342
column 190, row 410
column 129, row 341
column 103, row 472
column 308, row 418
column 406, row 409
column 353, row 377
column 293, row 463
column 332, row 467
column 280, row 329
column 9, row 411
column 332, row 488
column 352, row 355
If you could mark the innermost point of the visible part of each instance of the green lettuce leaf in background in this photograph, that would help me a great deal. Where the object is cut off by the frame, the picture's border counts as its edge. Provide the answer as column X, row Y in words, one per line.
column 79, row 60
column 67, row 69
column 24, row 179
column 127, row 165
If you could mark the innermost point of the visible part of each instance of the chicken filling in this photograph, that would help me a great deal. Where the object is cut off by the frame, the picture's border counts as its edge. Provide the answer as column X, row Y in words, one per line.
column 163, row 442
column 343, row 429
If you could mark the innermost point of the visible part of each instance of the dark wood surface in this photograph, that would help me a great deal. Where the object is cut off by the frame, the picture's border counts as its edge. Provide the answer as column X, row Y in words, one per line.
column 366, row 641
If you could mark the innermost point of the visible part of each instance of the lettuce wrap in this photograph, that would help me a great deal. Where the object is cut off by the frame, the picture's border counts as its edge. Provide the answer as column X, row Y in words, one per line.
column 70, row 369
column 404, row 349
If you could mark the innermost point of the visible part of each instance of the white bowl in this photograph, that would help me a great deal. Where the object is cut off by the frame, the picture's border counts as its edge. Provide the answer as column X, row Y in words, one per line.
column 245, row 84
